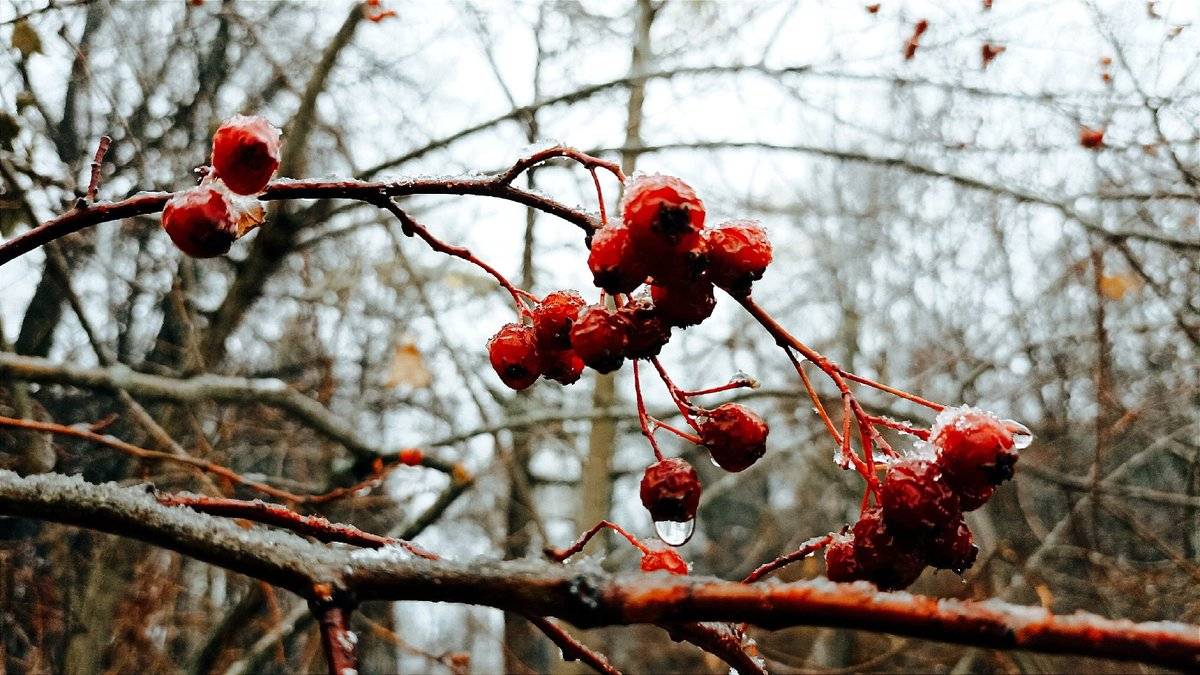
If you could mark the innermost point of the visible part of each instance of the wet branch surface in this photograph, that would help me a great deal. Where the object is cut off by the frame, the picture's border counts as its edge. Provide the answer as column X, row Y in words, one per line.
column 585, row 599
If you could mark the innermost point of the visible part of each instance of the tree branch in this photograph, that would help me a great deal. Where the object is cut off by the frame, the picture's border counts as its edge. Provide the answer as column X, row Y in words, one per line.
column 585, row 598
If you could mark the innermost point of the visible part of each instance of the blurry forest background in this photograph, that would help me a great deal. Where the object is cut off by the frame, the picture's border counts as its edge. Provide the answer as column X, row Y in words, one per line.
column 937, row 222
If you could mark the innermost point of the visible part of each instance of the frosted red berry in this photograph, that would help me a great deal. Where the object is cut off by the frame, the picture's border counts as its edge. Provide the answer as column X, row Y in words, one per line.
column 840, row 563
column 514, row 356
column 971, row 497
column 245, row 153
column 553, row 317
column 614, row 262
column 739, row 253
column 648, row 332
column 664, row 206
column 411, row 456
column 199, row 222
column 670, row 490
column 676, row 262
column 735, row 436
column 563, row 366
column 664, row 559
column 683, row 306
column 599, row 336
column 974, row 449
column 952, row 547
column 888, row 559
column 916, row 498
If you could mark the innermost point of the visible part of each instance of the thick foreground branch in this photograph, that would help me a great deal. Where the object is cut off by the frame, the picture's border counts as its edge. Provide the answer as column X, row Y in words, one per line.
column 584, row 598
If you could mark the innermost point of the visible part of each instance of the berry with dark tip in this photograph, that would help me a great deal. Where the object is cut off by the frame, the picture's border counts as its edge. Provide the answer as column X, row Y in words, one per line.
column 670, row 490
column 663, row 206
column 676, row 262
column 563, row 366
column 971, row 497
column 553, row 317
column 684, row 306
column 245, row 153
column 739, row 253
column 952, row 547
column 514, row 356
column 199, row 222
column 916, row 498
column 974, row 449
column 664, row 559
column 648, row 332
column 599, row 336
column 840, row 562
column 614, row 262
column 888, row 560
column 735, row 436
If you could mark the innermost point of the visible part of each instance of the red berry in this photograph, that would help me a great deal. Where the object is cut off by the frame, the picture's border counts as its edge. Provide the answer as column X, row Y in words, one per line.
column 661, row 206
column 739, row 252
column 514, row 356
column 1091, row 138
column 916, row 498
column 563, row 366
column 840, row 563
column 599, row 336
column 198, row 220
column 648, row 333
column 614, row 262
column 952, row 547
column 675, row 262
column 411, row 456
column 971, row 497
column 684, row 305
column 664, row 559
column 735, row 436
column 245, row 153
column 888, row 560
column 670, row 490
column 974, row 449
column 552, row 319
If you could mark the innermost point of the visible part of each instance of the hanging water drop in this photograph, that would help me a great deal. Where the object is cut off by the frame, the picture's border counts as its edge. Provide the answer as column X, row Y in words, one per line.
column 1022, row 436
column 674, row 532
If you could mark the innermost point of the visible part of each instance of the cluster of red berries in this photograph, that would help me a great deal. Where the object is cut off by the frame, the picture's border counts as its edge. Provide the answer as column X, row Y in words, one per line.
column 202, row 221
column 919, row 520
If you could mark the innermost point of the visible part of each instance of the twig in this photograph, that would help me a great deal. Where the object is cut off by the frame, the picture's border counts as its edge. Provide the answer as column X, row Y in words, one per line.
column 572, row 649
column 806, row 549
column 340, row 643
column 97, row 163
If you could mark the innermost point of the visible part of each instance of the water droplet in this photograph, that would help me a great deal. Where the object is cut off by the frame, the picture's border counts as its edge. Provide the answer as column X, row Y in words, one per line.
column 1022, row 436
column 674, row 532
column 715, row 462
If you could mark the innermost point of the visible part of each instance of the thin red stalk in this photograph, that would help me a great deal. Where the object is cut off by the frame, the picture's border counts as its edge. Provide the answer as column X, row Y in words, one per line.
column 341, row 654
column 902, row 427
column 659, row 424
column 643, row 418
column 806, row 549
column 891, row 390
column 732, row 384
column 561, row 554
column 273, row 514
column 97, row 163
column 600, row 198
column 816, row 399
column 685, row 408
column 572, row 649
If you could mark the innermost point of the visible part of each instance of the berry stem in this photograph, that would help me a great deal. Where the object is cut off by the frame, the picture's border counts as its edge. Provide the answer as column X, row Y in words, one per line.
column 891, row 390
column 659, row 424
column 599, row 197
column 685, row 407
column 806, row 549
column 897, row 425
column 561, row 554
column 738, row 383
column 643, row 418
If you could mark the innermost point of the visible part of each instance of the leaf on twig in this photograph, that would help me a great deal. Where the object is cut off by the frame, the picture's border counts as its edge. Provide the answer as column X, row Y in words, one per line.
column 25, row 39
column 408, row 368
column 1116, row 286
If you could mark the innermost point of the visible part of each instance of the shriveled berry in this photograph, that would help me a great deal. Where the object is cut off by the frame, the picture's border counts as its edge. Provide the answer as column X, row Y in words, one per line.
column 888, row 559
column 614, row 262
column 514, row 356
column 648, row 332
column 670, row 490
column 552, row 319
column 684, row 306
column 916, row 498
column 664, row 206
column 735, row 436
column 971, row 497
column 599, row 336
column 245, row 153
column 739, row 253
column 199, row 221
column 840, row 562
column 952, row 547
column 664, row 559
column 974, row 448
column 563, row 366
column 675, row 262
